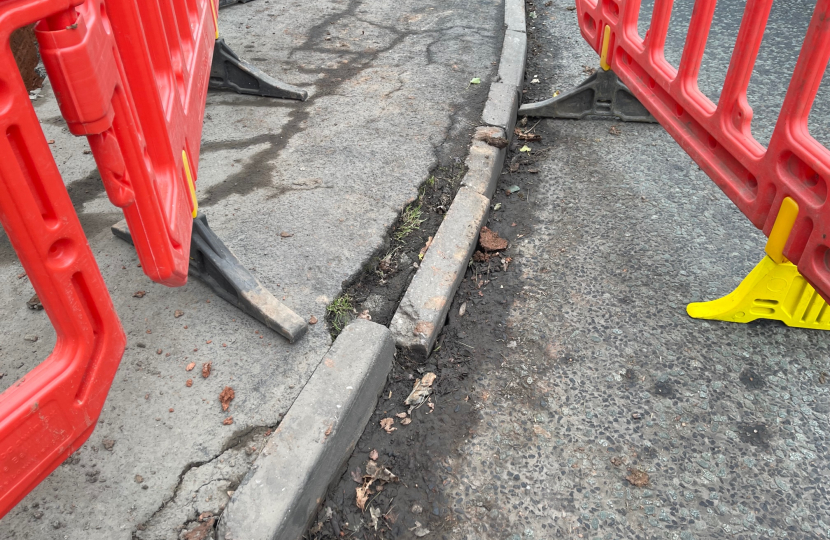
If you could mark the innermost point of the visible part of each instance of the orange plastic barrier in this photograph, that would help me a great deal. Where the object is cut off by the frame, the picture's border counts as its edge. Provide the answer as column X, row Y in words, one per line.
column 718, row 136
column 49, row 413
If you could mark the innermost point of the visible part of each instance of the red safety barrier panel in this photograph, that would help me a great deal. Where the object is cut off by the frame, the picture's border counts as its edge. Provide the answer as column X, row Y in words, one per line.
column 132, row 76
column 718, row 137
column 52, row 410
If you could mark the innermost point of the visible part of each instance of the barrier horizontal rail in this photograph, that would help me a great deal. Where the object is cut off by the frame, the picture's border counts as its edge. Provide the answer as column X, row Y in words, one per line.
column 719, row 136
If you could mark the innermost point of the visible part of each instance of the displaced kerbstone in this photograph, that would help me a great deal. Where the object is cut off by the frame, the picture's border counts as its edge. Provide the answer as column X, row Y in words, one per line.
column 283, row 490
column 484, row 162
column 424, row 307
column 512, row 63
column 501, row 106
column 514, row 15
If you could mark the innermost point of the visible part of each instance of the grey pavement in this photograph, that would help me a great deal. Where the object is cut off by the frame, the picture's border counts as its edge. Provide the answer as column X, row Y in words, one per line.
column 601, row 370
column 389, row 100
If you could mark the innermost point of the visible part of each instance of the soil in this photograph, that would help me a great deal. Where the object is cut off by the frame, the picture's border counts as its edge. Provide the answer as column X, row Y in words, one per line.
column 424, row 452
column 25, row 52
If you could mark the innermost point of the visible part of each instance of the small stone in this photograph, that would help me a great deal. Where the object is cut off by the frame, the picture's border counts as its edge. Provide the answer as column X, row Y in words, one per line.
column 312, row 320
column 178, row 313
column 228, row 421
column 108, row 444
column 30, row 337
column 189, row 383
column 139, row 294
column 139, row 479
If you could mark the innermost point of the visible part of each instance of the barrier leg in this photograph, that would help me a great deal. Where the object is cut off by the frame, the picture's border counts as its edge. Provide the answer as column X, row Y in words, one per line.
column 215, row 264
column 601, row 94
column 226, row 3
column 229, row 72
column 773, row 290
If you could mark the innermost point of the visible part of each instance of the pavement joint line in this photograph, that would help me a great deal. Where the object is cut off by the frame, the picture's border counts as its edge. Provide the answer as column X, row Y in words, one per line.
column 421, row 315
column 282, row 491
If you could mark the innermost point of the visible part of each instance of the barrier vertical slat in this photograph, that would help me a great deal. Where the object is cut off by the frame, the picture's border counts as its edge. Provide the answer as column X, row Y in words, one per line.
column 689, row 68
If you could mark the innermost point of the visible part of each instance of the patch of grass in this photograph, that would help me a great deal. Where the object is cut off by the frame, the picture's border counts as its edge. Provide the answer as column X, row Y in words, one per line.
column 410, row 221
column 340, row 312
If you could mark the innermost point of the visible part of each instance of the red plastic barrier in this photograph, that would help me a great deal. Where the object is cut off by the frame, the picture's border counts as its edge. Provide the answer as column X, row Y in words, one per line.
column 49, row 413
column 718, row 137
column 132, row 76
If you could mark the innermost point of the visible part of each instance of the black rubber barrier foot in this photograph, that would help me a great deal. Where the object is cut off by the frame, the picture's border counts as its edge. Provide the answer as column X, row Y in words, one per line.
column 226, row 3
column 212, row 262
column 601, row 94
column 229, row 72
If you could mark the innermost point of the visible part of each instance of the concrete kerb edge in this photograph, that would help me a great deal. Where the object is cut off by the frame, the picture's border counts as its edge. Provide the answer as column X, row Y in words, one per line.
column 417, row 322
column 282, row 491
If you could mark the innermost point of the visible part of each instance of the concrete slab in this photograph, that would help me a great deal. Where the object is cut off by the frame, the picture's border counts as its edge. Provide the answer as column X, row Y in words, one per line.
column 422, row 311
column 281, row 493
column 502, row 104
column 484, row 162
column 389, row 98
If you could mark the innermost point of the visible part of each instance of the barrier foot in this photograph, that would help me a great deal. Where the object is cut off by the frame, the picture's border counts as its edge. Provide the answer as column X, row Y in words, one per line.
column 226, row 3
column 212, row 262
column 601, row 94
column 771, row 291
column 229, row 72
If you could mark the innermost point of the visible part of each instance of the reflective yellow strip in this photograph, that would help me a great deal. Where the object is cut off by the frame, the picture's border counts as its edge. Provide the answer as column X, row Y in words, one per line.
column 215, row 12
column 190, row 184
column 781, row 230
column 606, row 40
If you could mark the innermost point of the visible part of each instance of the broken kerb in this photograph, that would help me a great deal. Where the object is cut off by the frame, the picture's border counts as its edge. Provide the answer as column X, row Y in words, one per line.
column 212, row 262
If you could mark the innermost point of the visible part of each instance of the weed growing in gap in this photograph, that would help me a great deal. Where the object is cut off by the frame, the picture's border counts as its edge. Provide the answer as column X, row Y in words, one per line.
column 340, row 312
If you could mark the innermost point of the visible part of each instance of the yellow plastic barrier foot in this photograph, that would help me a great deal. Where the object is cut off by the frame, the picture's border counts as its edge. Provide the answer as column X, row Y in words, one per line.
column 771, row 291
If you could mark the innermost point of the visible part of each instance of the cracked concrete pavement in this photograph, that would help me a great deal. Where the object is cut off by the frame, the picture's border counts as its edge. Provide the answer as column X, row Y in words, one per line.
column 389, row 100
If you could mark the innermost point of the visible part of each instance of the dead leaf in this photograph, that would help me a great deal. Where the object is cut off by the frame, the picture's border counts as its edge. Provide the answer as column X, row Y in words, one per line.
column 362, row 496
column 373, row 455
column 228, row 421
column 375, row 514
column 226, row 396
column 637, row 477
column 420, row 390
column 328, row 430
column 357, row 476
column 498, row 142
column 312, row 320
column 419, row 530
column 491, row 241
column 399, row 415
column 376, row 472
column 188, row 383
column 178, row 313
column 406, row 421
column 527, row 136
column 190, row 366
column 139, row 294
column 480, row 256
column 286, row 235
column 614, row 130
column 424, row 249
column 365, row 315
column 34, row 303
column 200, row 532
column 386, row 424
column 206, row 369
column 462, row 310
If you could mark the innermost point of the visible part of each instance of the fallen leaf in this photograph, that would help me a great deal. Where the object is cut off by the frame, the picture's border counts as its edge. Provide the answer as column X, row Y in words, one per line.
column 312, row 320
column 34, row 303
column 286, row 235
column 431, row 406
column 375, row 514
column 399, row 415
column 139, row 294
column 362, row 496
column 497, row 207
column 637, row 477
column 555, row 93
column 376, row 472
column 225, row 397
column 190, row 366
column 491, row 241
column 498, row 142
column 419, row 530
column 228, row 421
column 357, row 476
column 178, row 313
column 475, row 80
column 527, row 136
column 512, row 189
column 532, row 15
column 373, row 455
column 406, row 421
column 365, row 315
column 462, row 310
column 524, row 148
column 614, row 130
column 420, row 390
column 386, row 424
column 200, row 532
column 206, row 369
column 424, row 249
column 328, row 430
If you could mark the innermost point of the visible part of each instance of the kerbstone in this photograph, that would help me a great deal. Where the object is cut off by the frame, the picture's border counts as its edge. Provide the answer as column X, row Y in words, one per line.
column 514, row 15
column 284, row 488
column 501, row 106
column 423, row 310
column 484, row 161
column 512, row 62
